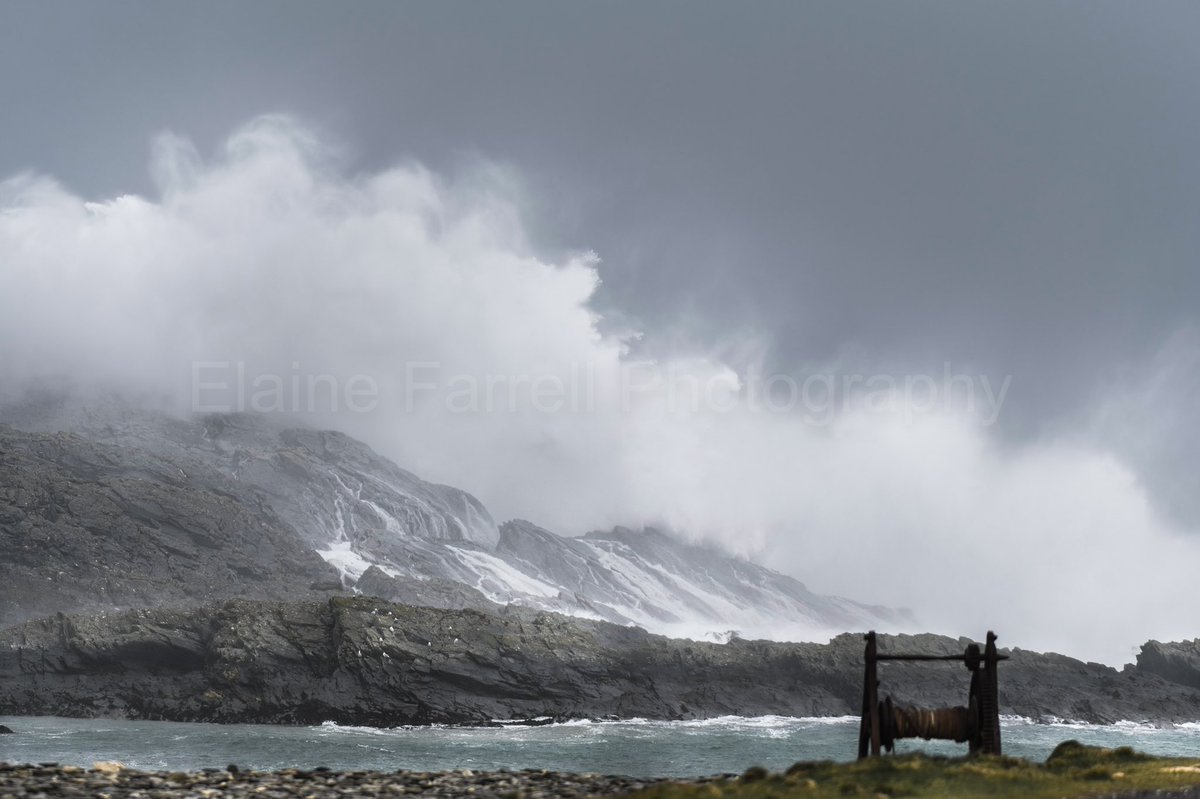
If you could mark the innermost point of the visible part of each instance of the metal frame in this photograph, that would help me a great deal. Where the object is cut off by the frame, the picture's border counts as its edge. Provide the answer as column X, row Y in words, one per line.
column 978, row 724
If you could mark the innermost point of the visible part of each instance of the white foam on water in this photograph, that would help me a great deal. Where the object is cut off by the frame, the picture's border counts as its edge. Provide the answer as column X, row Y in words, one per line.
column 633, row 746
column 355, row 729
column 771, row 722
column 1125, row 725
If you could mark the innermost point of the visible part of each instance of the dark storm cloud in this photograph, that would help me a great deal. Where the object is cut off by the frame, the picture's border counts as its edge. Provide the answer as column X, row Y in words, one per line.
column 1012, row 186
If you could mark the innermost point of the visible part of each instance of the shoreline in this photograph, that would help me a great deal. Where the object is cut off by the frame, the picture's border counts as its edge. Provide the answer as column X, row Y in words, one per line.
column 645, row 749
column 493, row 724
column 1073, row 770
column 114, row 780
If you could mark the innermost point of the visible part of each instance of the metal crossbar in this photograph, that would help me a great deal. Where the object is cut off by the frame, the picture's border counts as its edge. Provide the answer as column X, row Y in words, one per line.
column 977, row 724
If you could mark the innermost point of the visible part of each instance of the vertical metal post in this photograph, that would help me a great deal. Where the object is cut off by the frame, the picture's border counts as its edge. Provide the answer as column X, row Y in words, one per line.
column 990, row 700
column 972, row 659
column 868, row 732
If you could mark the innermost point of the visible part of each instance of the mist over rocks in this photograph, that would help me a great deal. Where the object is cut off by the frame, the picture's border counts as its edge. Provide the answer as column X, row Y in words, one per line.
column 378, row 529
column 88, row 525
column 137, row 509
column 365, row 661
column 676, row 583
column 433, row 592
column 301, row 472
column 268, row 256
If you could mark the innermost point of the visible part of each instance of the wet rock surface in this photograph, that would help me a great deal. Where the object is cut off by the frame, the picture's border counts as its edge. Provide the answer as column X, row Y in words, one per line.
column 141, row 510
column 85, row 525
column 133, row 508
column 432, row 592
column 370, row 662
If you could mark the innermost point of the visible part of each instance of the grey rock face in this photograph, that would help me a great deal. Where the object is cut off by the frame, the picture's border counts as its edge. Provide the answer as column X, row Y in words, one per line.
column 1178, row 662
column 365, row 661
column 431, row 592
column 652, row 579
column 359, row 511
column 88, row 525
column 311, row 478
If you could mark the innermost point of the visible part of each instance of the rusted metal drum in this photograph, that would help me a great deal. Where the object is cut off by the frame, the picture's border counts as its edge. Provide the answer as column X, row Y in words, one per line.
column 932, row 724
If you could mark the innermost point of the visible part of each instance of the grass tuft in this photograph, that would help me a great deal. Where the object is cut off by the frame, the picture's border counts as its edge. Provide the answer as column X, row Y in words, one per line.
column 1072, row 770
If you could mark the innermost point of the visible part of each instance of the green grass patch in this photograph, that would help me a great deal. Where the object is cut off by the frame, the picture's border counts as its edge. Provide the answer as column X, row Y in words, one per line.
column 1073, row 770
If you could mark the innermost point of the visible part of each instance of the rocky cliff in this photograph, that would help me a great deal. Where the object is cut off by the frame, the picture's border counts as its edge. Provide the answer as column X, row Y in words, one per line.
column 365, row 661
column 86, row 525
column 1178, row 662
column 130, row 508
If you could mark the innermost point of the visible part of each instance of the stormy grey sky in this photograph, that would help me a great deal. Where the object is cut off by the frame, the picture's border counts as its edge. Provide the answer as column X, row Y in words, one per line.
column 1010, row 187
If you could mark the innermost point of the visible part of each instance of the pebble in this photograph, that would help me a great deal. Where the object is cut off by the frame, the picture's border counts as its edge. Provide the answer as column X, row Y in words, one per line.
column 114, row 781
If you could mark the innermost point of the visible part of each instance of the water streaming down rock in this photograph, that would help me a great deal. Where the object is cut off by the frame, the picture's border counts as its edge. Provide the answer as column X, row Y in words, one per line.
column 253, row 506
column 134, row 509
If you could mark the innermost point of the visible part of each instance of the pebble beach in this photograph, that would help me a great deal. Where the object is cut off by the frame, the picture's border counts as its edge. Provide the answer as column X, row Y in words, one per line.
column 113, row 781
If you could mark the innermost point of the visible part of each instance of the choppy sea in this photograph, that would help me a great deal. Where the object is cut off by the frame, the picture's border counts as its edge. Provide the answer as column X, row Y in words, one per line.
column 636, row 747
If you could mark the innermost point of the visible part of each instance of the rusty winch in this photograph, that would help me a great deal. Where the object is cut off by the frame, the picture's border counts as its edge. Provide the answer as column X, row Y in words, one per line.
column 977, row 724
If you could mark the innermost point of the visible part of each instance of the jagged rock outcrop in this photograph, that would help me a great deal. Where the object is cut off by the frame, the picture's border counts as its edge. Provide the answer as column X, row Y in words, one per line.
column 87, row 525
column 660, row 583
column 1178, row 662
column 268, row 487
column 365, row 661
column 431, row 592
column 317, row 481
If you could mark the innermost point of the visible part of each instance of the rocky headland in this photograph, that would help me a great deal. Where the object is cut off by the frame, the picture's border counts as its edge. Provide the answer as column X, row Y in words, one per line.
column 1178, row 662
column 370, row 662
column 105, row 506
column 222, row 568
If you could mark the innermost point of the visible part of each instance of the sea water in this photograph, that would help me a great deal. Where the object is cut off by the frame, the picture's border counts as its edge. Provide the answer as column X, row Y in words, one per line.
column 637, row 747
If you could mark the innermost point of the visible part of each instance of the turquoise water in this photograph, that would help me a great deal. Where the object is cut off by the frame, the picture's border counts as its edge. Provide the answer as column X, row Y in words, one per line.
column 638, row 748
